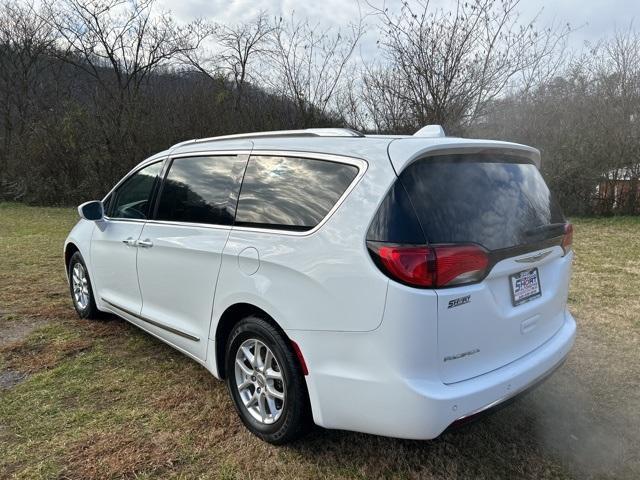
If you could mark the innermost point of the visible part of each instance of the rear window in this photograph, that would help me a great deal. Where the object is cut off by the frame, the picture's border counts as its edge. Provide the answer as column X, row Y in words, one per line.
column 290, row 193
column 497, row 201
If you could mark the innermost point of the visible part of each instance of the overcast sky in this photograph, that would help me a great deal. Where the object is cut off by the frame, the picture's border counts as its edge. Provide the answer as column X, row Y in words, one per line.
column 595, row 18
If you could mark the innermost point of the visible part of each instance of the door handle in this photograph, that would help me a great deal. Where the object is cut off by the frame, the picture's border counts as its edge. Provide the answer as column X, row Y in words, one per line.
column 146, row 243
column 129, row 242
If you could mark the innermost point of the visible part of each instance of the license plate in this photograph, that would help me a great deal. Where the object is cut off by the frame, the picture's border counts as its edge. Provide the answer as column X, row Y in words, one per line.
column 525, row 286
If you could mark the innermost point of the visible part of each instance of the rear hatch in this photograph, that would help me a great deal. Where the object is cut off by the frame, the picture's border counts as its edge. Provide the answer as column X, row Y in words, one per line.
column 498, row 203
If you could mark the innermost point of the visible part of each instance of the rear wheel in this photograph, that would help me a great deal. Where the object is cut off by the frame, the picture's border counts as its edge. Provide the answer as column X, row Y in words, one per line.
column 265, row 382
column 80, row 287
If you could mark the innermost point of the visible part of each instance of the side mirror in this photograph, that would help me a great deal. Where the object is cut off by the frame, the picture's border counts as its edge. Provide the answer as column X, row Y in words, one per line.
column 91, row 210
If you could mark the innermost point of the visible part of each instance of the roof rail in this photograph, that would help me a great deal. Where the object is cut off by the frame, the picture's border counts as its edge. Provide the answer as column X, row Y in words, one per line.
column 309, row 132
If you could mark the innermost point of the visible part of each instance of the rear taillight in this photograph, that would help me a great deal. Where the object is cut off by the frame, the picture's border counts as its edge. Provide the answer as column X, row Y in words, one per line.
column 567, row 238
column 458, row 264
column 431, row 266
column 409, row 264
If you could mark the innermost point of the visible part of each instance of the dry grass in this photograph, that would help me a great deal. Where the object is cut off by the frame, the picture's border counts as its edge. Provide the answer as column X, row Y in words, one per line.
column 104, row 400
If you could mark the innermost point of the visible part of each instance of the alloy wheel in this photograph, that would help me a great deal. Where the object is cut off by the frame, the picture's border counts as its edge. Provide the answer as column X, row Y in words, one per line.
column 80, row 285
column 260, row 381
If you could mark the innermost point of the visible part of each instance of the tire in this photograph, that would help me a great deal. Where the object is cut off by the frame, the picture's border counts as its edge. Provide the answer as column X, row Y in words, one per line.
column 83, row 301
column 292, row 418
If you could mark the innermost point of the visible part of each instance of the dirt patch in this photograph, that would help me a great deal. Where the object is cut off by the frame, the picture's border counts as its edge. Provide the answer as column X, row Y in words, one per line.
column 32, row 355
column 10, row 378
column 12, row 330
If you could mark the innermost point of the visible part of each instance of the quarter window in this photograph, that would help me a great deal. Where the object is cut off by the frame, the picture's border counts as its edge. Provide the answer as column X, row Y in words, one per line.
column 290, row 193
column 131, row 199
column 202, row 189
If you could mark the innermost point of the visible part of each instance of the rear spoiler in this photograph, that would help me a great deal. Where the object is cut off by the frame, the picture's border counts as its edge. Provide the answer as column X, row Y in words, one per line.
column 404, row 151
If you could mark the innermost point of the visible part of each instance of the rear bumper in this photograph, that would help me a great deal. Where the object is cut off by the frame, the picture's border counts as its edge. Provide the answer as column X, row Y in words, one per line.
column 502, row 402
column 363, row 387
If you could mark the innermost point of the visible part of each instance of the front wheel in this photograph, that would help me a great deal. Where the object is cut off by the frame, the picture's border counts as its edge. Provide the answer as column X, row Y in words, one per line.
column 265, row 382
column 80, row 286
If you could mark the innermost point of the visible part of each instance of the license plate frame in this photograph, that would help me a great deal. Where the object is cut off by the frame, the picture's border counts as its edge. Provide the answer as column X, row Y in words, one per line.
column 525, row 293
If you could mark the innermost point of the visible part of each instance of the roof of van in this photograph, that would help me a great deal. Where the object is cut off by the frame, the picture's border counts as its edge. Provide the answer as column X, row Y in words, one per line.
column 401, row 149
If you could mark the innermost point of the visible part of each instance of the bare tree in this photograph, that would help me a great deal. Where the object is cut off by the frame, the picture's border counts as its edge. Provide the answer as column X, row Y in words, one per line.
column 236, row 47
column 348, row 102
column 386, row 109
column 307, row 64
column 585, row 120
column 120, row 44
column 26, row 37
column 448, row 65
column 240, row 44
column 123, row 35
column 615, row 69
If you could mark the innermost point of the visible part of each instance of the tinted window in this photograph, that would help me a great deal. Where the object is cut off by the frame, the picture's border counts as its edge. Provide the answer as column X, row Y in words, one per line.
column 396, row 220
column 201, row 190
column 291, row 193
column 496, row 201
column 131, row 199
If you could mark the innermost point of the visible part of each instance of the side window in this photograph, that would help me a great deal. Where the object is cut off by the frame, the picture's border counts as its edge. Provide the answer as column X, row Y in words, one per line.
column 202, row 189
column 131, row 199
column 290, row 193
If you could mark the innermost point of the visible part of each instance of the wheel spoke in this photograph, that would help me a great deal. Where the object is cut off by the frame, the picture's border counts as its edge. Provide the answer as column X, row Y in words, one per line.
column 245, row 384
column 246, row 370
column 268, row 358
column 256, row 353
column 274, row 393
column 248, row 355
column 271, row 403
column 262, row 407
column 253, row 400
column 272, row 374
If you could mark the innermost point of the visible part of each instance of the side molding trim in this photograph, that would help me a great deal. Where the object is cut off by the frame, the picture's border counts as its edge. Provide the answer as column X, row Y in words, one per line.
column 152, row 322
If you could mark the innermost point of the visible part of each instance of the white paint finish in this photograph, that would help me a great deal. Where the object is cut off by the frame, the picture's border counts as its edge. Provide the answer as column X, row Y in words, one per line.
column 432, row 131
column 113, row 263
column 365, row 338
column 178, row 278
column 366, row 376
column 249, row 261
column 80, row 236
column 404, row 151
column 325, row 280
column 491, row 324
column 305, row 282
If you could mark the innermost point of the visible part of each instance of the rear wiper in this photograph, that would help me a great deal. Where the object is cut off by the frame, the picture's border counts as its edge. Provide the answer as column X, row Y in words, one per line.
column 544, row 228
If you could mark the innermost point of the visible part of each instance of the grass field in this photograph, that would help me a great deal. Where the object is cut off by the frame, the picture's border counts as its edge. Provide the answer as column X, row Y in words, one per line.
column 85, row 399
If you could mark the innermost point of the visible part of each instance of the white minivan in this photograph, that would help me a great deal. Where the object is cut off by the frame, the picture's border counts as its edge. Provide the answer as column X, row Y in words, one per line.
column 393, row 285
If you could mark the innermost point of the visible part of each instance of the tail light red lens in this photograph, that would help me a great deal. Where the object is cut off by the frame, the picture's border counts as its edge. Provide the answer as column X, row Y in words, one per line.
column 567, row 238
column 432, row 266
column 408, row 264
column 458, row 264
